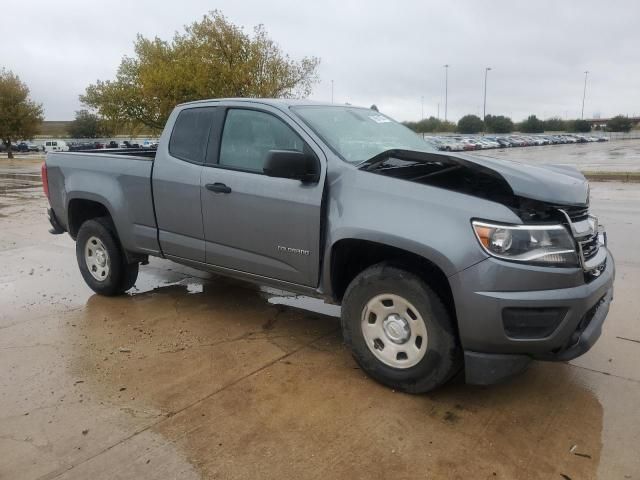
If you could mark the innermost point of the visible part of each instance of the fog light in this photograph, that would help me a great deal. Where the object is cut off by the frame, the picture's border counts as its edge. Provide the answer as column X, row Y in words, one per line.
column 532, row 323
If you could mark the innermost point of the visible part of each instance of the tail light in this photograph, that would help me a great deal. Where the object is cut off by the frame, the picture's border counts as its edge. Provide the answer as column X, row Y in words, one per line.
column 45, row 179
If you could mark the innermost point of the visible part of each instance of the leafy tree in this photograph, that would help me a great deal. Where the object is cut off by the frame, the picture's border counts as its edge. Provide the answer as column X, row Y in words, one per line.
column 554, row 124
column 211, row 58
column 470, row 124
column 498, row 124
column 619, row 123
column 88, row 125
column 20, row 117
column 532, row 125
column 374, row 107
column 581, row 126
column 431, row 125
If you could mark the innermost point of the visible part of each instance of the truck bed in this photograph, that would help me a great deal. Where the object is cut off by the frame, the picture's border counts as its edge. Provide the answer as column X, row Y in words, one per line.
column 118, row 179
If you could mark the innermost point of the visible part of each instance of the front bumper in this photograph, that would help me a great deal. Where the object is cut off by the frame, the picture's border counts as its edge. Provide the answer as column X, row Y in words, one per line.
column 483, row 292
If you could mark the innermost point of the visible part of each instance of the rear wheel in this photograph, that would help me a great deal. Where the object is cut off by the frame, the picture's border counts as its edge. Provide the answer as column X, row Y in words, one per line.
column 399, row 331
column 101, row 260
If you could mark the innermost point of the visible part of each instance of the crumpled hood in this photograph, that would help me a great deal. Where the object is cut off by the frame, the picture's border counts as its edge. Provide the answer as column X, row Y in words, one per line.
column 557, row 184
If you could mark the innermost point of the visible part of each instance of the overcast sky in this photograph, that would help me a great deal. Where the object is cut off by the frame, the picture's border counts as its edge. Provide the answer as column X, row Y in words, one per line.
column 390, row 53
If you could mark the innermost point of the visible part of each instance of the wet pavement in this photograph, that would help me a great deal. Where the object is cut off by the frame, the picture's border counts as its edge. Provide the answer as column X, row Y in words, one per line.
column 613, row 156
column 195, row 376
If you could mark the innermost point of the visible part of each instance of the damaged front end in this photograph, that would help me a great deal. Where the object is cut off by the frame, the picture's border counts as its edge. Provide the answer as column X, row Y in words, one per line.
column 537, row 195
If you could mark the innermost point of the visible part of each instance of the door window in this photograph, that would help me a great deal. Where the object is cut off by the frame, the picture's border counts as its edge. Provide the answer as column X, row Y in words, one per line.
column 248, row 136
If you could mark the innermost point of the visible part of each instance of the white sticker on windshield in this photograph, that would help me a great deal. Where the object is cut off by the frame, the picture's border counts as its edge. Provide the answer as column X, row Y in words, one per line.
column 379, row 118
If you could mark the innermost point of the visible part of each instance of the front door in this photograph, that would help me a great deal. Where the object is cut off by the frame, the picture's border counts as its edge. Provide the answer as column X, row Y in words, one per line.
column 254, row 223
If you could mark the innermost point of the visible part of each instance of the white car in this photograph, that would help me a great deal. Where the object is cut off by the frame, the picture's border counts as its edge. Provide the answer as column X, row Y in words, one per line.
column 490, row 142
column 451, row 145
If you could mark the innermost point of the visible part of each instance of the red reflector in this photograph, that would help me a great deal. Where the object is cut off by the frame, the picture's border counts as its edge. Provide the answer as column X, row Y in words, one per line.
column 45, row 179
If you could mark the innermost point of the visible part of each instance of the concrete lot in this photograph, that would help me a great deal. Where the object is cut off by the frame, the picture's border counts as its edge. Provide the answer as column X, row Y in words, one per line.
column 613, row 156
column 193, row 376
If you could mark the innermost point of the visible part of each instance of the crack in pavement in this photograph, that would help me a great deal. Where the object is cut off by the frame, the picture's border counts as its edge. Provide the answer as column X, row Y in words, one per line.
column 605, row 373
column 629, row 339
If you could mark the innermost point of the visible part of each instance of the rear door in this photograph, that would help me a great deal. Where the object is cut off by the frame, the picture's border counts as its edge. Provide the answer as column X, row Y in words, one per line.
column 176, row 184
column 253, row 223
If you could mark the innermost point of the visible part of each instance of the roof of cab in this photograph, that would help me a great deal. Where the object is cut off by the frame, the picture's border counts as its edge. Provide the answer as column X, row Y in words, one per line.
column 276, row 102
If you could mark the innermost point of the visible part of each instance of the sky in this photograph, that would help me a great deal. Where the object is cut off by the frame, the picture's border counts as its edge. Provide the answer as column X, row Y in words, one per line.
column 388, row 53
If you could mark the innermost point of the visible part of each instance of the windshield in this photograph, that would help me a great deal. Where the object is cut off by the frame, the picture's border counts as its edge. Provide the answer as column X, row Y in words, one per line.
column 358, row 134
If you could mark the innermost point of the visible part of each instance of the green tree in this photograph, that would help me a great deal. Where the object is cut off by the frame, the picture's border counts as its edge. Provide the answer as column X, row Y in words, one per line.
column 88, row 125
column 211, row 58
column 470, row 124
column 619, row 123
column 431, row 125
column 374, row 107
column 581, row 126
column 498, row 124
column 532, row 125
column 20, row 117
column 554, row 124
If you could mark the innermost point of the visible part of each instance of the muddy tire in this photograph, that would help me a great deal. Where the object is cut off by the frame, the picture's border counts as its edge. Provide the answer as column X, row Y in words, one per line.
column 399, row 331
column 101, row 259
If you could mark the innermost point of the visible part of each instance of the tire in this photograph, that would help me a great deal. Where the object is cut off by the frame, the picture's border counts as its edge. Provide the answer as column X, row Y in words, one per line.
column 441, row 356
column 101, row 259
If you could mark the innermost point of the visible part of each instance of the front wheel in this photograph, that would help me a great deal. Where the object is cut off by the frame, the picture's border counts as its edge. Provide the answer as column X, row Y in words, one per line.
column 399, row 331
column 102, row 263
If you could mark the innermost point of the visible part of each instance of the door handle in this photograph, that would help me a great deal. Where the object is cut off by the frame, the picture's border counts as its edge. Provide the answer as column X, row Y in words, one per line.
column 218, row 187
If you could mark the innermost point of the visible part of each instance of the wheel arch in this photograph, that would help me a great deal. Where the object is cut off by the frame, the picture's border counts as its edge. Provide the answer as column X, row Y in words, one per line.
column 351, row 255
column 83, row 208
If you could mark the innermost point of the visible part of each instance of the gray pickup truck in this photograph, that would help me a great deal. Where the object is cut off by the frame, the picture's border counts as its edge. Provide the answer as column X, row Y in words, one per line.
column 440, row 261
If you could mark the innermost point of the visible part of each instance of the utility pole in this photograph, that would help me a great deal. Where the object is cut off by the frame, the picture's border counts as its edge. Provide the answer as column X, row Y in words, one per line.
column 422, row 105
column 584, row 92
column 438, row 111
column 484, row 110
column 446, row 90
column 331, row 91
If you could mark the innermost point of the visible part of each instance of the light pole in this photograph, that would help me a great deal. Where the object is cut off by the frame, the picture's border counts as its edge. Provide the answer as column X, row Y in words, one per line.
column 584, row 92
column 446, row 90
column 422, row 106
column 331, row 91
column 484, row 109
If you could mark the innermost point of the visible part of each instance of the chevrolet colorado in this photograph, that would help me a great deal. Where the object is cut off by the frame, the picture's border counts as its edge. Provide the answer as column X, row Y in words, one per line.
column 440, row 260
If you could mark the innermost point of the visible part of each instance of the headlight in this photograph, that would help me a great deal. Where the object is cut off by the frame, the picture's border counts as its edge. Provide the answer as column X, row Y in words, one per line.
column 549, row 245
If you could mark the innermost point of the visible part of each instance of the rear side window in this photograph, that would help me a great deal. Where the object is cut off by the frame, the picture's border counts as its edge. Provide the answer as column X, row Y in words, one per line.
column 191, row 133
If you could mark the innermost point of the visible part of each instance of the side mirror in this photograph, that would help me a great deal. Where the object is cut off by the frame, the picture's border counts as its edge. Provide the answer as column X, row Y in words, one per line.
column 292, row 164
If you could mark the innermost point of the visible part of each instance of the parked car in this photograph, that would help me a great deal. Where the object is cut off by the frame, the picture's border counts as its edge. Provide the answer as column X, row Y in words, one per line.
column 471, row 144
column 56, row 146
column 3, row 147
column 28, row 147
column 439, row 260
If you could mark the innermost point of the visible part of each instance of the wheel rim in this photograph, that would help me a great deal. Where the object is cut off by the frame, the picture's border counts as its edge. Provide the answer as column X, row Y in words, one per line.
column 97, row 259
column 394, row 331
